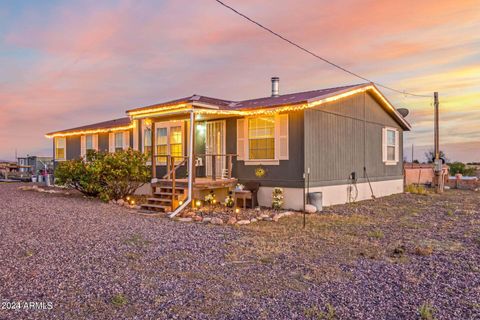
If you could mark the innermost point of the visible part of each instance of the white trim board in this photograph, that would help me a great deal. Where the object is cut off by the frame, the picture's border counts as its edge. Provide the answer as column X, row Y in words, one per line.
column 331, row 195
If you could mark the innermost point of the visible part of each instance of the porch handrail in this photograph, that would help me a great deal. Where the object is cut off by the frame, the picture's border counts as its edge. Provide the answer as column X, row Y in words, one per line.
column 229, row 162
column 172, row 166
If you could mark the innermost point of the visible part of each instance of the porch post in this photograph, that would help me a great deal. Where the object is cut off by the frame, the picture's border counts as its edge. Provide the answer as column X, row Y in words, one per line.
column 191, row 158
column 194, row 171
column 152, row 152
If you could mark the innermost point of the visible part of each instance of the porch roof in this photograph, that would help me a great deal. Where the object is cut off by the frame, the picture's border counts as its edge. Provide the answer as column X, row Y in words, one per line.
column 281, row 103
column 104, row 126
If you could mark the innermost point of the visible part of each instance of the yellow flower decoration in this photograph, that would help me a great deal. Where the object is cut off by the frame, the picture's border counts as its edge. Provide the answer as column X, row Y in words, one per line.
column 260, row 172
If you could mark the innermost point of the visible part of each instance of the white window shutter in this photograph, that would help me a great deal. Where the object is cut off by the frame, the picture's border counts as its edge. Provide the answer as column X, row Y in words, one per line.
column 111, row 142
column 83, row 146
column 126, row 140
column 282, row 137
column 241, row 139
column 95, row 142
column 397, row 145
column 384, row 144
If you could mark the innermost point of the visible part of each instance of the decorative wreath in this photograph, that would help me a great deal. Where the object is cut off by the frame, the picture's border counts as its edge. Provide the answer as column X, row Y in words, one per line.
column 260, row 172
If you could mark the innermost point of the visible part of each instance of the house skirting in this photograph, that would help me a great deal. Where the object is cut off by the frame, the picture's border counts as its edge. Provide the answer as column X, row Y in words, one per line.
column 331, row 195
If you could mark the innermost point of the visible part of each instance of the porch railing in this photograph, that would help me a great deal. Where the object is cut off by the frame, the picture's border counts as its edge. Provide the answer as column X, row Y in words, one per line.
column 174, row 163
column 214, row 166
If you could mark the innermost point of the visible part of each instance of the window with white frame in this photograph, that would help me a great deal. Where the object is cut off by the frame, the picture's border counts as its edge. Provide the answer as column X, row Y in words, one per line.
column 147, row 141
column 176, row 139
column 89, row 142
column 119, row 141
column 60, row 147
column 391, row 145
column 263, row 139
column 162, row 143
column 169, row 141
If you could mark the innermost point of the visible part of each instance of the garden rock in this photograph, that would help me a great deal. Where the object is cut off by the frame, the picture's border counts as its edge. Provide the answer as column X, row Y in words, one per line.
column 207, row 220
column 242, row 222
column 216, row 220
column 197, row 218
column 185, row 219
column 310, row 208
column 120, row 202
column 232, row 220
column 253, row 220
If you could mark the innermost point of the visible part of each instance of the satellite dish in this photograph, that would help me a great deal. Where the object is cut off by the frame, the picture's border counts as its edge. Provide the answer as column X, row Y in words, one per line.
column 403, row 111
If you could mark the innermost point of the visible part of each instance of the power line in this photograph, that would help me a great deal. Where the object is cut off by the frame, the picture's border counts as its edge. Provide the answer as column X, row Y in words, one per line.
column 314, row 54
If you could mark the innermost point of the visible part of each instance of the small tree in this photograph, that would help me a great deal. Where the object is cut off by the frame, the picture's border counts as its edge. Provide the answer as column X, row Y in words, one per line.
column 80, row 175
column 122, row 173
column 430, row 156
column 107, row 175
column 459, row 167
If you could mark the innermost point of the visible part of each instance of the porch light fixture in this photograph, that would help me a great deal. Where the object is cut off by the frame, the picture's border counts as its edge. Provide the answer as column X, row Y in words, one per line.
column 201, row 129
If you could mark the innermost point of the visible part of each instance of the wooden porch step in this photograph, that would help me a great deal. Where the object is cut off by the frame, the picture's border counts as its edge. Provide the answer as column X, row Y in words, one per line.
column 160, row 199
column 163, row 193
column 155, row 206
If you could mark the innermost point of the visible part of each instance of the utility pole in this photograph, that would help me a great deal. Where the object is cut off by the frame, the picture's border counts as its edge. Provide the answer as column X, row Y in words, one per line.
column 438, row 164
column 412, row 155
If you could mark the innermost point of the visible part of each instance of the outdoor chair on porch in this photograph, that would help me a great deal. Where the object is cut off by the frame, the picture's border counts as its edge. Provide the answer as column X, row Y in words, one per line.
column 250, row 201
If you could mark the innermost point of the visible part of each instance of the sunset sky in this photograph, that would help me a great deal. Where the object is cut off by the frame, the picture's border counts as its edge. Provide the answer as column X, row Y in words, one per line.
column 69, row 63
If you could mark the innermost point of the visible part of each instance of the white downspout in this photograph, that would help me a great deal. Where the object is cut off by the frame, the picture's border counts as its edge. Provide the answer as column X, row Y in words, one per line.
column 191, row 167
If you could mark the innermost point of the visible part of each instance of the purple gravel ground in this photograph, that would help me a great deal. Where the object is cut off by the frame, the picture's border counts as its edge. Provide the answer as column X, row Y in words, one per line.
column 93, row 260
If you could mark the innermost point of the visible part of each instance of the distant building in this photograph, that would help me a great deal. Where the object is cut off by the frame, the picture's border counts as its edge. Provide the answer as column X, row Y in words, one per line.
column 35, row 164
column 421, row 173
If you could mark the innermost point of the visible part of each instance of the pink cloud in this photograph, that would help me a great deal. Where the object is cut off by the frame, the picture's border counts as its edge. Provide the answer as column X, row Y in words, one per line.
column 96, row 59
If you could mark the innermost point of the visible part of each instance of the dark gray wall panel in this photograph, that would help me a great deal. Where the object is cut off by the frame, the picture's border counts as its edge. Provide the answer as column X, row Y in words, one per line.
column 289, row 173
column 339, row 141
column 73, row 147
column 103, row 142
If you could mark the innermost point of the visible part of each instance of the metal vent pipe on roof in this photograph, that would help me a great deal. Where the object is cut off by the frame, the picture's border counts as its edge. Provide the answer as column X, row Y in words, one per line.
column 275, row 83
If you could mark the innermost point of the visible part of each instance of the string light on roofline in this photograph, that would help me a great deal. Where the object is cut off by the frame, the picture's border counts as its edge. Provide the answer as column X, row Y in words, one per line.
column 92, row 131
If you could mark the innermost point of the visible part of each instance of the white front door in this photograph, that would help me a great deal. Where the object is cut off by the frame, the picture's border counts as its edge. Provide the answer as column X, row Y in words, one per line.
column 215, row 144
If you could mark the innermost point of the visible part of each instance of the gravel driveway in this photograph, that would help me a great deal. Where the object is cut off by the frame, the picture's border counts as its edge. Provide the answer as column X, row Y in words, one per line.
column 69, row 257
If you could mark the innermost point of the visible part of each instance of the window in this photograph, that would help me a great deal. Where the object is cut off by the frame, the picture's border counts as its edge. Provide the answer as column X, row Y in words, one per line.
column 89, row 142
column 147, row 141
column 390, row 146
column 60, row 144
column 261, row 138
column 118, row 141
column 162, row 144
column 176, row 149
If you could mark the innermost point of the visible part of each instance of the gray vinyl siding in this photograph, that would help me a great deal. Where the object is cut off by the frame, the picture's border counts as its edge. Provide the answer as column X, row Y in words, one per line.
column 289, row 173
column 73, row 145
column 344, row 137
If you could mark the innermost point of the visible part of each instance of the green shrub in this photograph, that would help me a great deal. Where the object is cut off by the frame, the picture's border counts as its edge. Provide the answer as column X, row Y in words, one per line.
column 106, row 175
column 411, row 188
column 119, row 300
column 426, row 311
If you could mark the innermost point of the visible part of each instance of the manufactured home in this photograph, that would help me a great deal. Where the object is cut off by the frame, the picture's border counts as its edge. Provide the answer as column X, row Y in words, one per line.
column 343, row 142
